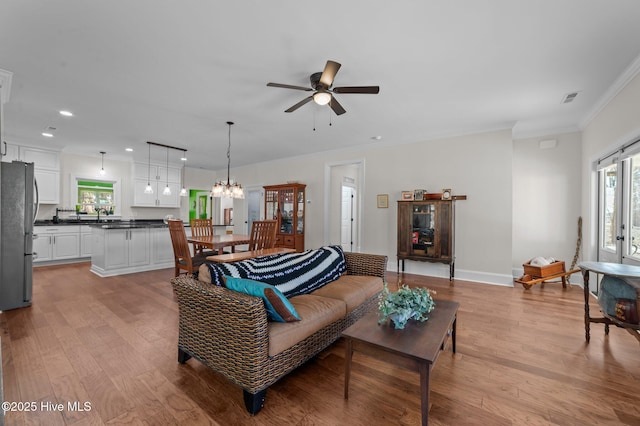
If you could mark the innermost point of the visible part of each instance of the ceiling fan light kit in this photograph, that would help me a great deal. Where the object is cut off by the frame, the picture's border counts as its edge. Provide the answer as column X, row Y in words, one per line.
column 322, row 98
column 321, row 83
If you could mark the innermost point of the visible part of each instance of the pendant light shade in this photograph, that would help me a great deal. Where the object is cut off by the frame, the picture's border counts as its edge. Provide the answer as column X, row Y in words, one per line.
column 167, row 190
column 102, row 172
column 149, row 188
column 228, row 189
column 183, row 191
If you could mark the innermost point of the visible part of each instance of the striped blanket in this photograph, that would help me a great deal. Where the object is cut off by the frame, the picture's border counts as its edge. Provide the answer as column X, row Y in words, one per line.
column 291, row 273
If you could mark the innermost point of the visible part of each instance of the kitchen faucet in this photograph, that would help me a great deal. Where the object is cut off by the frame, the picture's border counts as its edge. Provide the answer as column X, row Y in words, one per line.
column 99, row 209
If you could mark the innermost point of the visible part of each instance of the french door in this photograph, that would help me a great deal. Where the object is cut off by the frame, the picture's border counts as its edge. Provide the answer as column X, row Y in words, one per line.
column 619, row 207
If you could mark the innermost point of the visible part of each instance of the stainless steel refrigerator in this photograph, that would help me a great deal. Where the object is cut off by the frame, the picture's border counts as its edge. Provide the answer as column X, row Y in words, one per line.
column 18, row 207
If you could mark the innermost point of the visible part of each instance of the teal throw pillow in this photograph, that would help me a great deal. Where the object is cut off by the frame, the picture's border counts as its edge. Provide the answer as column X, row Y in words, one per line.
column 278, row 307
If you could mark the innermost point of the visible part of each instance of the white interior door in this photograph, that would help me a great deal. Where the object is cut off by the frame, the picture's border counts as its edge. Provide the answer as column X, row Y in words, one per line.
column 347, row 218
column 254, row 197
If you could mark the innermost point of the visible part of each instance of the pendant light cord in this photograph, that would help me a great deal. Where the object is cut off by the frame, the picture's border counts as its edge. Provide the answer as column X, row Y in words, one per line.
column 229, row 155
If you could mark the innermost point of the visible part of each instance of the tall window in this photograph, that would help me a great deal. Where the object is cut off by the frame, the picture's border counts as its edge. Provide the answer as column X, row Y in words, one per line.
column 94, row 196
column 634, row 206
column 609, row 207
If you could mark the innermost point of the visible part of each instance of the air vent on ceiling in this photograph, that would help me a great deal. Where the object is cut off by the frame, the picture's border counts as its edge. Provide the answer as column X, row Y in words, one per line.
column 569, row 97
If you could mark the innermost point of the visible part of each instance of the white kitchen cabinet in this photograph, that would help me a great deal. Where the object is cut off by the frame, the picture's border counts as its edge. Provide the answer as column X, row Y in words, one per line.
column 53, row 243
column 10, row 152
column 157, row 199
column 48, row 186
column 46, row 166
column 126, row 247
column 86, row 241
column 42, row 250
column 159, row 178
column 162, row 250
column 124, row 251
column 42, row 159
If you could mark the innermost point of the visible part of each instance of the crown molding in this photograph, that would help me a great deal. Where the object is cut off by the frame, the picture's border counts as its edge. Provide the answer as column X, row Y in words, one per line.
column 5, row 85
column 627, row 75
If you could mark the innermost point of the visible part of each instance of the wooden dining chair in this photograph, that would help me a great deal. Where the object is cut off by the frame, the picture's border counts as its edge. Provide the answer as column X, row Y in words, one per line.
column 201, row 228
column 181, row 253
column 263, row 234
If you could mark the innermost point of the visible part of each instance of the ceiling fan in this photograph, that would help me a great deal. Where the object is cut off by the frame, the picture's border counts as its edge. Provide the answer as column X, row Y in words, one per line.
column 321, row 83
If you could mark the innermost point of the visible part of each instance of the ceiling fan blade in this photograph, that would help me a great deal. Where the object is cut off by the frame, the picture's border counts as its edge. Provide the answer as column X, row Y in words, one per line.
column 336, row 107
column 357, row 89
column 289, row 86
column 329, row 73
column 299, row 104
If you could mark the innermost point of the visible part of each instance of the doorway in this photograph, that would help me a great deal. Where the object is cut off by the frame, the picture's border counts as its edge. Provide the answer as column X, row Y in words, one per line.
column 348, row 224
column 342, row 214
column 254, row 197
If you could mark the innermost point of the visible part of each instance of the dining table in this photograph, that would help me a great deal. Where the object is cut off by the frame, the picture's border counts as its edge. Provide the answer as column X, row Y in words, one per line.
column 236, row 257
column 219, row 242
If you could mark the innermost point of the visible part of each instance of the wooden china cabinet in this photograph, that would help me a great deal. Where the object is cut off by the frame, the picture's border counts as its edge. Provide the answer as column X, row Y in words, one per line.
column 285, row 203
column 426, row 232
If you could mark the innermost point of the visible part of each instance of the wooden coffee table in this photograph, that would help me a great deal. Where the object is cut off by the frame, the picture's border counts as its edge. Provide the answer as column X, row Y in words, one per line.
column 416, row 347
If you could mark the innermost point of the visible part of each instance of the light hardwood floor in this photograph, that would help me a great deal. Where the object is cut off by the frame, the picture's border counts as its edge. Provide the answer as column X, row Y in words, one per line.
column 521, row 360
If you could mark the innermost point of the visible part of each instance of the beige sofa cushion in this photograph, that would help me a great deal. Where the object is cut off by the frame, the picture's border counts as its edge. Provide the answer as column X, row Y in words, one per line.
column 316, row 313
column 351, row 289
column 204, row 274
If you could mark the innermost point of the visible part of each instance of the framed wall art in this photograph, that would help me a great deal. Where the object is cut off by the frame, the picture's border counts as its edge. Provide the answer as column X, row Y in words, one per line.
column 383, row 201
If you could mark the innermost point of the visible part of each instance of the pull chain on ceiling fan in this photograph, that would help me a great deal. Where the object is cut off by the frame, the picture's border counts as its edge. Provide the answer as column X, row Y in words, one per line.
column 321, row 83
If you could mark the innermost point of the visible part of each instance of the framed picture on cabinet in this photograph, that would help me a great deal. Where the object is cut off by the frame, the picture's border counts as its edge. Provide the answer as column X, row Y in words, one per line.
column 407, row 195
column 383, row 201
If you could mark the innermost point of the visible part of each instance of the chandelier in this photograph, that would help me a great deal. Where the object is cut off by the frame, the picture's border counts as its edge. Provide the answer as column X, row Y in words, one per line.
column 227, row 189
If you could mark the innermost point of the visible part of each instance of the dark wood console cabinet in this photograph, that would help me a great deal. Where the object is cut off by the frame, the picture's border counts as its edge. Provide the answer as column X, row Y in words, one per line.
column 426, row 232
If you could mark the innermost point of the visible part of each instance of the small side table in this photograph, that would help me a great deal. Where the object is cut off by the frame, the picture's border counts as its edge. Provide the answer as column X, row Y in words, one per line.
column 616, row 270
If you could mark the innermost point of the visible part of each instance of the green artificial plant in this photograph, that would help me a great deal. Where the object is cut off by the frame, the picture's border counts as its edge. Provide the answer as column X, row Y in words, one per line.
column 406, row 303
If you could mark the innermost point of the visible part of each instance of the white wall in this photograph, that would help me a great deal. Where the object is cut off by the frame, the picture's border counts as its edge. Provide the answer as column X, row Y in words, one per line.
column 546, row 199
column 478, row 166
column 616, row 124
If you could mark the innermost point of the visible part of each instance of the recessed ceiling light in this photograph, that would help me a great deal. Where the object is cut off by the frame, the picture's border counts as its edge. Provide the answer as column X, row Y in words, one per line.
column 47, row 134
column 376, row 138
column 66, row 113
column 129, row 149
column 184, row 158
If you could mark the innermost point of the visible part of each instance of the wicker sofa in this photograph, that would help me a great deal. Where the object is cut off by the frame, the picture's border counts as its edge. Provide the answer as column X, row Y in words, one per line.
column 229, row 331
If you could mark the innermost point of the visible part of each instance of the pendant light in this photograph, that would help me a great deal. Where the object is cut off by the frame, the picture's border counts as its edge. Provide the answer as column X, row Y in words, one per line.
column 167, row 190
column 149, row 189
column 102, row 172
column 183, row 191
column 227, row 189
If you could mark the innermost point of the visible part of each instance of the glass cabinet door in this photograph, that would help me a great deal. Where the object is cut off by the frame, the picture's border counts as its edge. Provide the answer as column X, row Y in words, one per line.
column 286, row 213
column 423, row 229
column 271, row 205
column 300, row 212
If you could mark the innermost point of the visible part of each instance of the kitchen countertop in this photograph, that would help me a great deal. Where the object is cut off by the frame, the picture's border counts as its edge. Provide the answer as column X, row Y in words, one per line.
column 105, row 223
column 110, row 223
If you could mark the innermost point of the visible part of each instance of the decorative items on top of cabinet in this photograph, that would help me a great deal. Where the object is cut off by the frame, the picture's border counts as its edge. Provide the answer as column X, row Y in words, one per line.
column 285, row 203
column 426, row 231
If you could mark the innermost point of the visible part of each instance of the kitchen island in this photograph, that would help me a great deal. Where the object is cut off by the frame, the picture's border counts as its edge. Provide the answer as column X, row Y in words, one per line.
column 115, row 246
column 125, row 247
